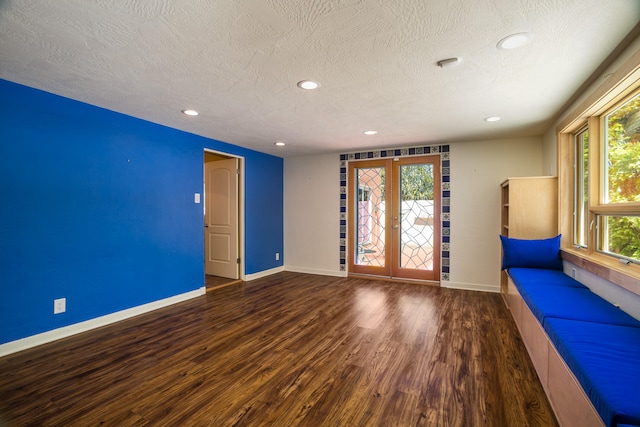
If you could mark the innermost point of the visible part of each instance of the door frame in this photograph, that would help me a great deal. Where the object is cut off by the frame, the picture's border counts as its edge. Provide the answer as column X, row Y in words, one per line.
column 240, row 200
column 390, row 270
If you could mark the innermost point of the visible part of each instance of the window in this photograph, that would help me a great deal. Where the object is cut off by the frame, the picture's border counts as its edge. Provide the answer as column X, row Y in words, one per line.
column 619, row 236
column 606, row 202
column 619, row 225
column 598, row 142
column 364, row 194
column 581, row 190
column 622, row 153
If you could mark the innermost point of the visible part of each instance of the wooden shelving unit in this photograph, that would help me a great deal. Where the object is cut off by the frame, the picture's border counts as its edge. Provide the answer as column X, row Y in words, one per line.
column 529, row 210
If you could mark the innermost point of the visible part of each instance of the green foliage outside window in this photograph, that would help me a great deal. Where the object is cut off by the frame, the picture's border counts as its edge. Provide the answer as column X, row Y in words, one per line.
column 623, row 176
column 417, row 182
column 582, row 189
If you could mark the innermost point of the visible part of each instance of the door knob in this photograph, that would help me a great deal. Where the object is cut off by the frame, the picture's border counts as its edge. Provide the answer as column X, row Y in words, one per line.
column 206, row 225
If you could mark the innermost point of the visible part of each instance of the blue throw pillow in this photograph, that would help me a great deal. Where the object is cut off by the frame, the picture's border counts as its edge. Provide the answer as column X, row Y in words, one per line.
column 541, row 253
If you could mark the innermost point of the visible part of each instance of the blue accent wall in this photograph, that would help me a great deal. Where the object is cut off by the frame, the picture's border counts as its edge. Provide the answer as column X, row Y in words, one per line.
column 97, row 207
column 264, row 214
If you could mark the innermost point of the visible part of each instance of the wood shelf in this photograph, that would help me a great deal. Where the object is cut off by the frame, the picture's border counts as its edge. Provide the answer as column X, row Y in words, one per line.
column 529, row 209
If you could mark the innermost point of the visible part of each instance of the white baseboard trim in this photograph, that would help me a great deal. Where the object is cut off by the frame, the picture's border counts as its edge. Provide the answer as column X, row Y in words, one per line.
column 87, row 325
column 264, row 273
column 316, row 271
column 470, row 286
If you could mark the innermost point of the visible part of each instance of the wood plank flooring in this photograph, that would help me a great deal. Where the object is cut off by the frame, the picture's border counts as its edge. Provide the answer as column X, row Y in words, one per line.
column 288, row 350
column 216, row 282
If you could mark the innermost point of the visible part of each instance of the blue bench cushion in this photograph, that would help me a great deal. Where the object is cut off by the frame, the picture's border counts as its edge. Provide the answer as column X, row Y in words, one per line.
column 524, row 278
column 551, row 293
column 606, row 361
column 574, row 303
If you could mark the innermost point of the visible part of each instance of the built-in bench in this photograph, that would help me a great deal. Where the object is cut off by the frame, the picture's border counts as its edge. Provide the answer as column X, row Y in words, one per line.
column 585, row 350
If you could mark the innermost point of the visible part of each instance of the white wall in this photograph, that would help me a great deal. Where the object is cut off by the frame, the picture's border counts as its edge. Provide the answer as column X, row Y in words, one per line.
column 311, row 214
column 549, row 153
column 626, row 300
column 477, row 169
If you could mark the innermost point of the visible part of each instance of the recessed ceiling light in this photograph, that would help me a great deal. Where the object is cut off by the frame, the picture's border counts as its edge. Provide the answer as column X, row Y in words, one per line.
column 190, row 112
column 514, row 41
column 280, row 144
column 308, row 84
column 493, row 119
column 370, row 132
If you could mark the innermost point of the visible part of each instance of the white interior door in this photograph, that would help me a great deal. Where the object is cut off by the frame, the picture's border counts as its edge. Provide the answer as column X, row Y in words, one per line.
column 221, row 218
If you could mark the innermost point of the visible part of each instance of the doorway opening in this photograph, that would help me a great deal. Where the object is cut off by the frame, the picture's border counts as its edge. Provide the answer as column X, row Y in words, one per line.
column 223, row 219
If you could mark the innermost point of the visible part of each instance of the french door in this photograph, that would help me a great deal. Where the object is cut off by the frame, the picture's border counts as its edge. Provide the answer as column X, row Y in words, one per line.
column 394, row 217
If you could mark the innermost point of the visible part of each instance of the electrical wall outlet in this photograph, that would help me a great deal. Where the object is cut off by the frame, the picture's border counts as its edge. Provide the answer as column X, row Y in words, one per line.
column 59, row 305
column 573, row 273
column 277, row 256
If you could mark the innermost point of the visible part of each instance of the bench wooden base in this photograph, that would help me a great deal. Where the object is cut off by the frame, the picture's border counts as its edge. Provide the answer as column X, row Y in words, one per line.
column 570, row 404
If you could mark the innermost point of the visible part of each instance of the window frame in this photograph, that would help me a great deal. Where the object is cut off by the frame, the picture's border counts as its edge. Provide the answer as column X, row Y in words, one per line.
column 599, row 211
column 579, row 207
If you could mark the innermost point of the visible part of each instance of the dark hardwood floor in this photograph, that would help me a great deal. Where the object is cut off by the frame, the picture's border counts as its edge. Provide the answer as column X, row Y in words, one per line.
column 287, row 350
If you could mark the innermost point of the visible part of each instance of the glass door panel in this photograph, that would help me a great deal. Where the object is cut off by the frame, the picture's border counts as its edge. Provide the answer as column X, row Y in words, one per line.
column 370, row 217
column 416, row 217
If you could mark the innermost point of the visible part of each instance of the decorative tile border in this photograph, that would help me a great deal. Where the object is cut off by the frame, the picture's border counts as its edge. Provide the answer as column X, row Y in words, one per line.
column 445, row 215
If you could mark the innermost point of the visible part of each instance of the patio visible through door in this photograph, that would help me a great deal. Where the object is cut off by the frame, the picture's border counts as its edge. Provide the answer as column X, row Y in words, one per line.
column 394, row 217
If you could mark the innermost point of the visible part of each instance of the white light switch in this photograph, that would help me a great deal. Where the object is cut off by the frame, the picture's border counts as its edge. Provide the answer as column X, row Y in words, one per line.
column 196, row 198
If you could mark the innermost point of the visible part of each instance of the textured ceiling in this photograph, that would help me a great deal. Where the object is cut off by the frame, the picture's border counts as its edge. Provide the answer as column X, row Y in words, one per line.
column 238, row 62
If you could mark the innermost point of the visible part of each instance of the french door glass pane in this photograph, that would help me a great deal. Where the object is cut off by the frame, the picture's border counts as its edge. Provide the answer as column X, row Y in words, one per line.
column 416, row 217
column 370, row 217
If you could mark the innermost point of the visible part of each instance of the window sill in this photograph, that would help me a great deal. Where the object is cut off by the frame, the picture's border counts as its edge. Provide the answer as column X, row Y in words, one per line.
column 609, row 268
